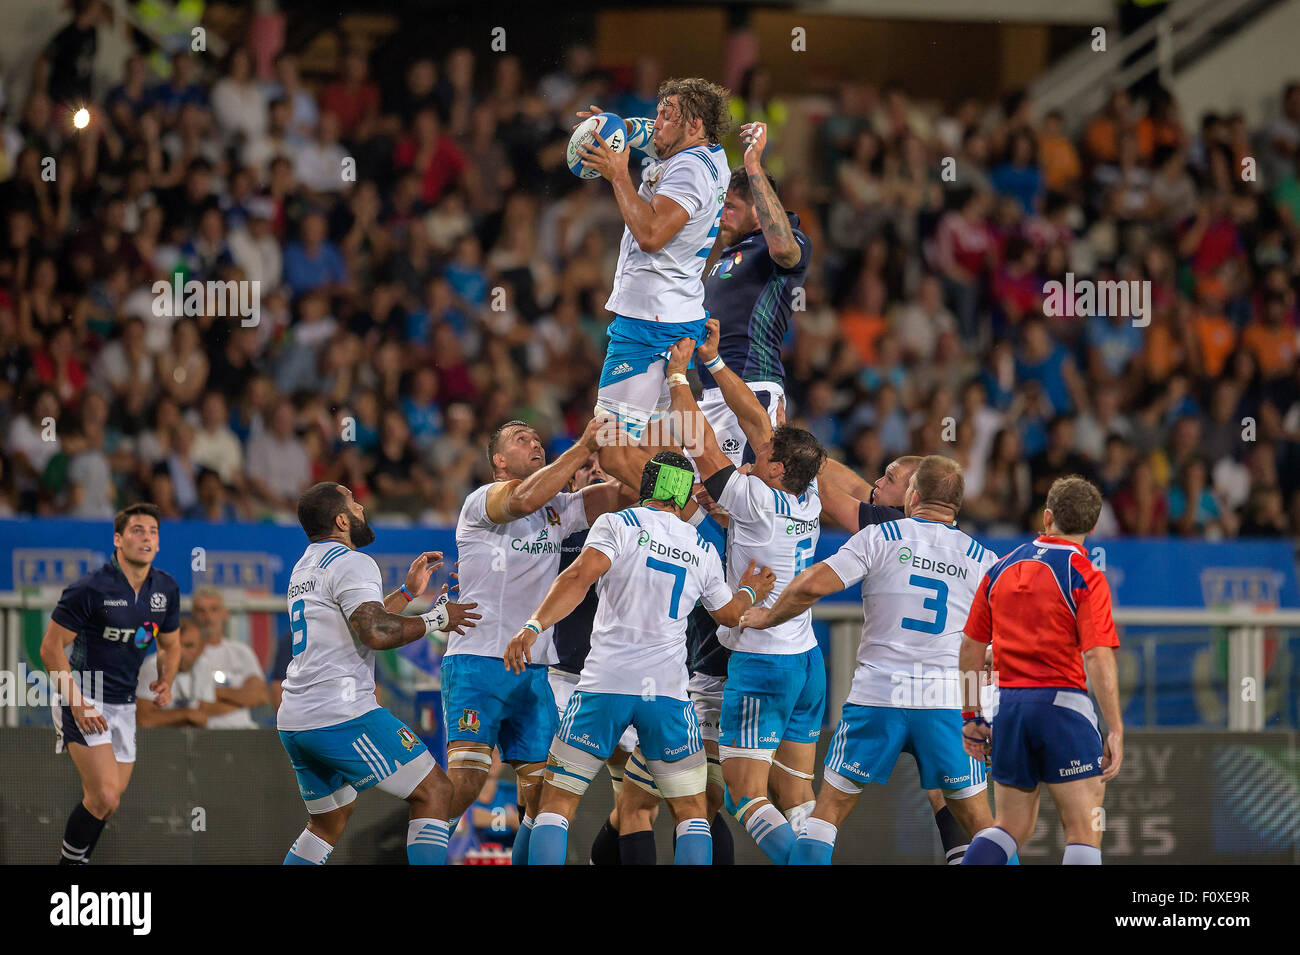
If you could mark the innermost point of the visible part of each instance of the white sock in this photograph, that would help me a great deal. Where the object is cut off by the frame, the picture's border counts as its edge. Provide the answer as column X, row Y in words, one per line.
column 311, row 847
column 550, row 819
column 763, row 820
column 698, row 827
column 1077, row 854
column 821, row 830
column 798, row 816
column 437, row 831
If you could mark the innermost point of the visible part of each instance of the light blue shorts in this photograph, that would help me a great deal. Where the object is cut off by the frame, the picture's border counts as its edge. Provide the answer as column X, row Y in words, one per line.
column 771, row 697
column 868, row 740
column 334, row 763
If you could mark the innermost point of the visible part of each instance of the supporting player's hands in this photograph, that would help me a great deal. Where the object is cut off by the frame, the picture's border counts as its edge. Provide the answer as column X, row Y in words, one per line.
column 89, row 719
column 422, row 568
column 519, row 652
column 679, row 356
column 754, row 138
column 707, row 350
column 976, row 739
column 760, row 579
column 598, row 156
column 1112, row 754
column 601, row 431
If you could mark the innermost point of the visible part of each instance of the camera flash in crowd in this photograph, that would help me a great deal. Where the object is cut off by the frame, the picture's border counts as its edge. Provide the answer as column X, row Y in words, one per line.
column 81, row 118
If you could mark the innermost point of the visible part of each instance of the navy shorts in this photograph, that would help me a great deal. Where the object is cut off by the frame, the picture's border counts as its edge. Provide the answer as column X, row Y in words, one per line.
column 1044, row 735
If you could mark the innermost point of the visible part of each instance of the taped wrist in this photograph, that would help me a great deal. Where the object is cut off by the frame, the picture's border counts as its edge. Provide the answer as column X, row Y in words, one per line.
column 437, row 617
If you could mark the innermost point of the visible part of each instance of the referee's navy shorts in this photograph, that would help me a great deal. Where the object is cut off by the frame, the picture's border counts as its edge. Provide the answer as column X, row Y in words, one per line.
column 1044, row 735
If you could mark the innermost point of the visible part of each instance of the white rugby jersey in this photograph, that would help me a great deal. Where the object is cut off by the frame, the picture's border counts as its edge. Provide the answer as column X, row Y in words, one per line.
column 331, row 677
column 779, row 530
column 659, row 567
column 507, row 568
column 918, row 580
column 666, row 286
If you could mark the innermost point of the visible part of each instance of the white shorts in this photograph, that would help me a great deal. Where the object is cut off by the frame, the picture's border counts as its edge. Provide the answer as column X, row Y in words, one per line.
column 562, row 685
column 731, row 439
column 636, row 400
column 120, row 733
column 706, row 694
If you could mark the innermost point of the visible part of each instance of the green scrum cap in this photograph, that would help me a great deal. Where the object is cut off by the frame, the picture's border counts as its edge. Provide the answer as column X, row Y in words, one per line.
column 667, row 477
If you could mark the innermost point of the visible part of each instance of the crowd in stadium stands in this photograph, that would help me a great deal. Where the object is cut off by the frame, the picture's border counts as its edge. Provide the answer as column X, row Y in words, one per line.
column 460, row 280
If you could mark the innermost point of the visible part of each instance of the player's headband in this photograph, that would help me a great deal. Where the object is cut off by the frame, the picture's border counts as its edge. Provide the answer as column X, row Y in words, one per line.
column 672, row 484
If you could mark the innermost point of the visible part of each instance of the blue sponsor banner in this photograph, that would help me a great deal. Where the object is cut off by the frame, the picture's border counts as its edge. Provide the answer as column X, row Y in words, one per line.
column 1168, row 676
column 259, row 557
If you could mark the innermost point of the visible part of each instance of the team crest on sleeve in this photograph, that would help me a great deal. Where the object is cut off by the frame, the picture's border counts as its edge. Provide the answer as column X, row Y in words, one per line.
column 730, row 446
column 158, row 602
column 409, row 739
column 552, row 516
column 469, row 721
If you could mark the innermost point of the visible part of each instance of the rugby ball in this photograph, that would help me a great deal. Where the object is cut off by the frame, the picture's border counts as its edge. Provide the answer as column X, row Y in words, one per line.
column 610, row 128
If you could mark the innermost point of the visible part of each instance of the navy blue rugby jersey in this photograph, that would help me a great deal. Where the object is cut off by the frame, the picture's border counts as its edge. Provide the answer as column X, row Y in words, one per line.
column 752, row 299
column 115, row 626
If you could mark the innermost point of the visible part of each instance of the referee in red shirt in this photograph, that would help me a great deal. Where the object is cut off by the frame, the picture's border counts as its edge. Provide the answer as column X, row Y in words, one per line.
column 1046, row 610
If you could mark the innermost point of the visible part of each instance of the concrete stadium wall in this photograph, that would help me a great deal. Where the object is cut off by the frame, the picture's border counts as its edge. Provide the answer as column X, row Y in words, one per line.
column 1180, row 797
column 1246, row 72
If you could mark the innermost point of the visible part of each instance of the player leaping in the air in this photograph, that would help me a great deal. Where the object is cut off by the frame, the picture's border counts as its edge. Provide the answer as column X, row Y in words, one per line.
column 671, row 221
column 508, row 542
column 651, row 566
column 919, row 576
column 339, row 739
column 775, row 693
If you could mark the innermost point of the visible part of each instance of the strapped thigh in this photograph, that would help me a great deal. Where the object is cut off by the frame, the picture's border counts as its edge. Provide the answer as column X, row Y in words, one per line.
column 476, row 756
column 688, row 776
column 570, row 768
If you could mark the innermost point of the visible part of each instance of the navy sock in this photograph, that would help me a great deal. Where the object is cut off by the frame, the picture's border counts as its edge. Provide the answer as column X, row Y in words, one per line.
column 724, row 847
column 954, row 837
column 604, row 848
column 992, row 846
column 637, row 848
column 79, row 836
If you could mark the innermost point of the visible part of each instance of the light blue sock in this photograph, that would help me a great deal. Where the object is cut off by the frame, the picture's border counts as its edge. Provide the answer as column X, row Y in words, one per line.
column 694, row 843
column 770, row 830
column 1076, row 853
column 519, row 851
column 816, row 845
column 308, row 849
column 426, row 842
column 549, row 842
column 992, row 846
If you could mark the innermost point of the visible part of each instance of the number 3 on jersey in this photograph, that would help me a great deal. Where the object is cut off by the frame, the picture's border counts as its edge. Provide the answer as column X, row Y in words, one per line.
column 938, row 603
column 298, row 626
